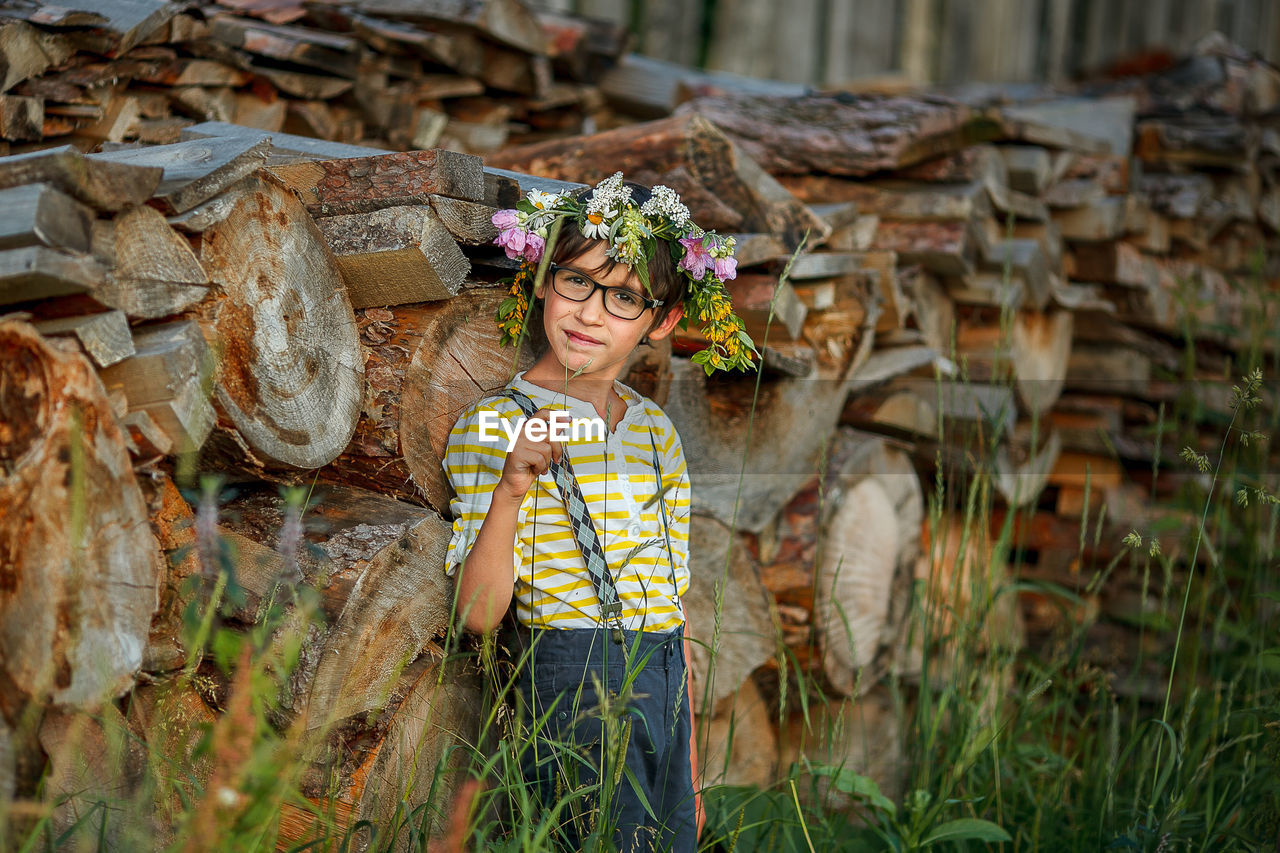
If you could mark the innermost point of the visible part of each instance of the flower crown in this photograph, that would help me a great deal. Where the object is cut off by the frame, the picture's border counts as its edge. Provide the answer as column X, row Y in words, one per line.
column 632, row 232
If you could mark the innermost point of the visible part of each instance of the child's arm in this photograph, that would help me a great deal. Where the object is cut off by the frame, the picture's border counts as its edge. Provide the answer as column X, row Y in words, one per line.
column 486, row 579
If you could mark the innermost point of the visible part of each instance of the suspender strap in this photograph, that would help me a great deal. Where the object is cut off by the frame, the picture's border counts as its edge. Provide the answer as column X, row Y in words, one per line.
column 584, row 529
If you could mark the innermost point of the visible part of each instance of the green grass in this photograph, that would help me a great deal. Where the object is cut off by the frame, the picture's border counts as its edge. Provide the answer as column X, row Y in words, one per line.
column 1005, row 747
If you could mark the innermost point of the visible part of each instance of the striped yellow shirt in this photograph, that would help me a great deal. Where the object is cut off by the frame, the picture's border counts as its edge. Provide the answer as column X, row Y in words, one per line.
column 617, row 478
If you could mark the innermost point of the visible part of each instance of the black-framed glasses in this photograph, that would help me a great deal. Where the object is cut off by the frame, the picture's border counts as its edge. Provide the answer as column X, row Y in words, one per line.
column 619, row 301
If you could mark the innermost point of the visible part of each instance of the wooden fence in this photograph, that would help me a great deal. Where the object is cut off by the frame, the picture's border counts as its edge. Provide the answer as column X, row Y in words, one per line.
column 835, row 42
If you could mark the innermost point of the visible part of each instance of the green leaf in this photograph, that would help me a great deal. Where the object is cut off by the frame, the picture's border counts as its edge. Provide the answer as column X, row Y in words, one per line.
column 856, row 785
column 966, row 829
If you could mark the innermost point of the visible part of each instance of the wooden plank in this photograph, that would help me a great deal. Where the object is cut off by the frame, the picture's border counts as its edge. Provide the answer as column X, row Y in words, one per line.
column 36, row 272
column 291, row 146
column 39, row 214
column 197, row 170
column 362, row 185
column 859, row 42
column 99, row 184
column 121, row 24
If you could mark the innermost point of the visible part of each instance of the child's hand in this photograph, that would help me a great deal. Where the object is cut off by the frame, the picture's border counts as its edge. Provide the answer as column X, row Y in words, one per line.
column 528, row 458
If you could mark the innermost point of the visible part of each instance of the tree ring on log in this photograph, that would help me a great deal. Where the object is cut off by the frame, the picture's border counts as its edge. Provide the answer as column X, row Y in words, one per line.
column 79, row 565
column 291, row 373
column 855, row 580
column 453, row 367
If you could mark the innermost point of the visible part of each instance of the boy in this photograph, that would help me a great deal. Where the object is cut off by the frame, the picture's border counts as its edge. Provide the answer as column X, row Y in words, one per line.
column 590, row 536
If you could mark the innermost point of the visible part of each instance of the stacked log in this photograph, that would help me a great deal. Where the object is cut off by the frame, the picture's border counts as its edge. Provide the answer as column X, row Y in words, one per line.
column 468, row 77
column 286, row 309
column 178, row 308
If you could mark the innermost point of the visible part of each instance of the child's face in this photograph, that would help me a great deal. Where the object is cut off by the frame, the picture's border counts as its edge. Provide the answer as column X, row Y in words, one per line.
column 583, row 335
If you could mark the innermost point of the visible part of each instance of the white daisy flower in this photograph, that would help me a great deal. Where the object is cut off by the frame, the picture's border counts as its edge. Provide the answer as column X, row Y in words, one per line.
column 597, row 223
column 543, row 200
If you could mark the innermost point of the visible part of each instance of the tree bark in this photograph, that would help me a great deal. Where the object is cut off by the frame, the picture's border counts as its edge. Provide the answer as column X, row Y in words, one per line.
column 722, row 186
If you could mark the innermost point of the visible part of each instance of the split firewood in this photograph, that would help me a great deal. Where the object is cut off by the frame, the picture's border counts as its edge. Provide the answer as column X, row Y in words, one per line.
column 1030, row 167
column 35, row 272
column 860, row 735
column 964, row 592
column 28, row 52
column 75, row 613
column 168, row 377
column 290, row 369
column 93, row 757
column 105, row 337
column 1034, row 352
column 102, row 185
column 194, row 171
column 715, row 454
column 738, row 745
column 395, row 255
column 151, row 271
column 854, row 582
column 947, row 248
column 723, row 187
column 39, row 214
column 285, row 147
column 779, row 132
column 330, row 52
column 505, row 21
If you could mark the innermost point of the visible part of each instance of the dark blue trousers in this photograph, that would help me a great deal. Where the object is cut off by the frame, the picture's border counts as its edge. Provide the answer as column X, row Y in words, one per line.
column 579, row 737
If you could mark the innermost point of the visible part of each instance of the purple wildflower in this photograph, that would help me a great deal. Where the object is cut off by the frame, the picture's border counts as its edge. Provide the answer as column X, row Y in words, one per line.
column 697, row 257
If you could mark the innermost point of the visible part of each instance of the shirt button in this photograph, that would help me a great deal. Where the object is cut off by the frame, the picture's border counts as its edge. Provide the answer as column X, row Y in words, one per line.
column 634, row 531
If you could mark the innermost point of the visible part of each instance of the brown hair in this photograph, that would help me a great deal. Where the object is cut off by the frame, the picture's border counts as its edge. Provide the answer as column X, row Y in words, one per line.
column 665, row 280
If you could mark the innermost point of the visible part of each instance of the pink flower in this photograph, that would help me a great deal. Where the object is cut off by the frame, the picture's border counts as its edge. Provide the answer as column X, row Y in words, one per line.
column 697, row 257
column 513, row 240
column 726, row 268
column 533, row 247
column 504, row 219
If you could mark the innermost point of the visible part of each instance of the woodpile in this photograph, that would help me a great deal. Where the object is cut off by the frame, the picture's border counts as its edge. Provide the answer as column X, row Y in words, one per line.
column 271, row 293
column 469, row 77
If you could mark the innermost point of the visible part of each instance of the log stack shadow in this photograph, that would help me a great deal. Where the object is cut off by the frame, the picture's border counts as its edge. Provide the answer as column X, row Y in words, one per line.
column 1008, row 293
